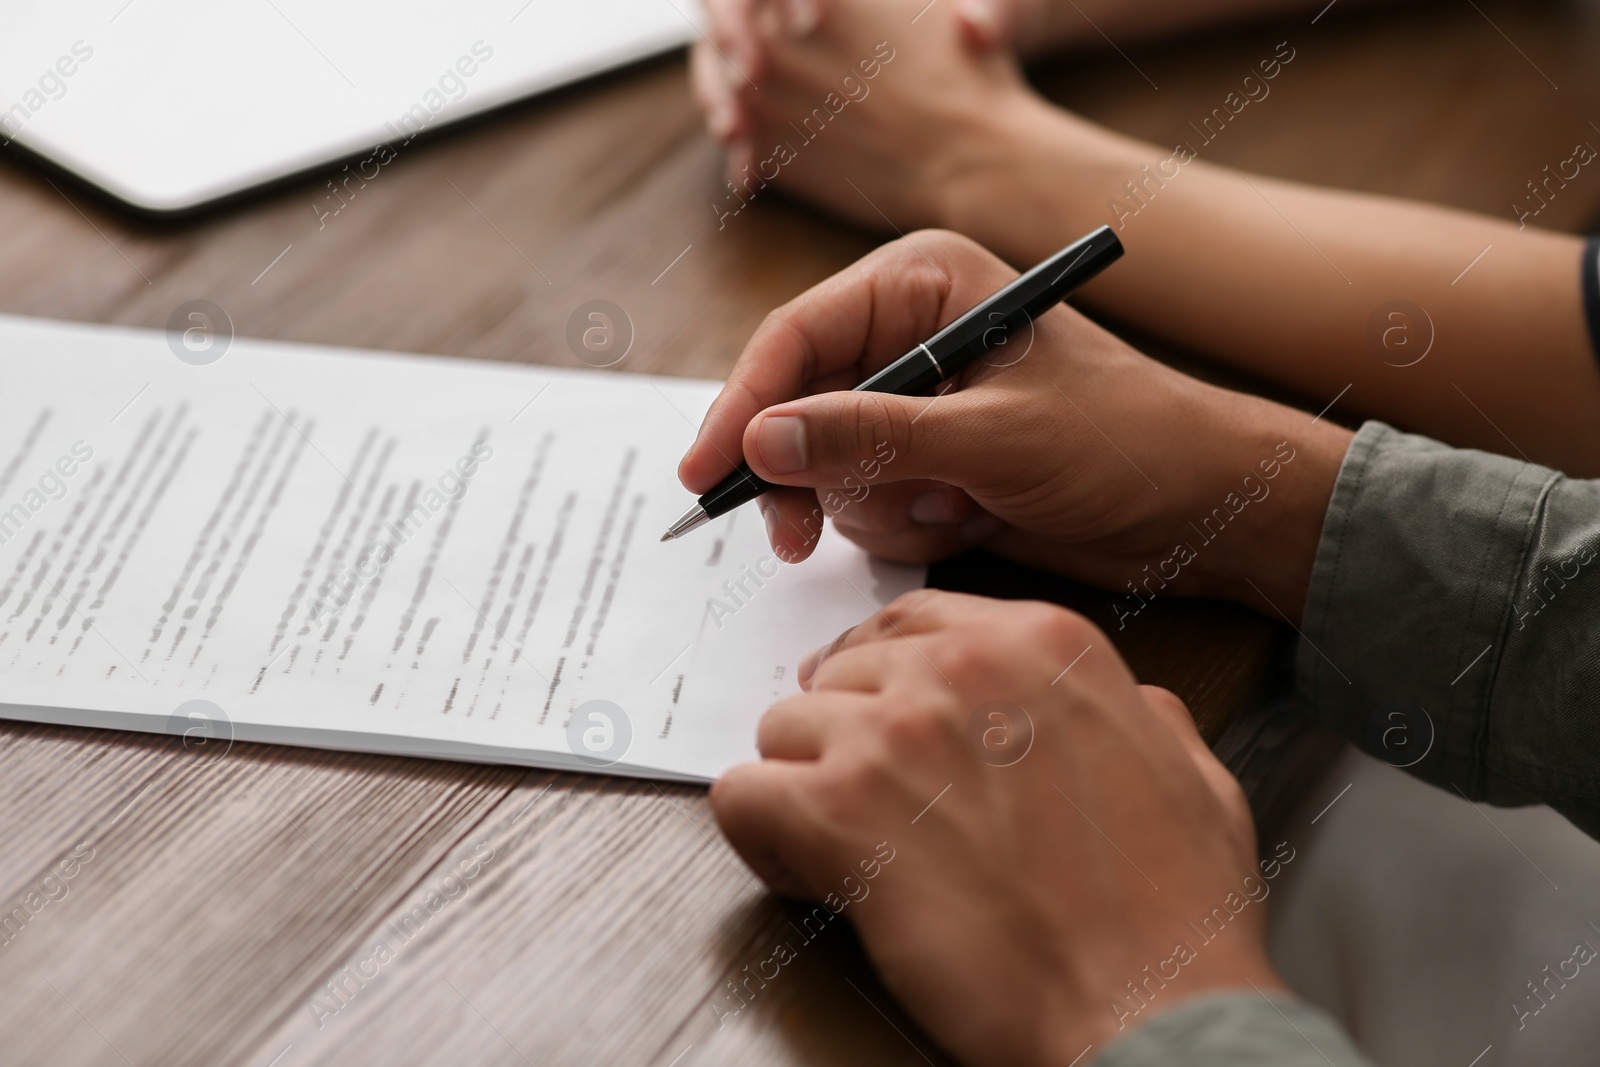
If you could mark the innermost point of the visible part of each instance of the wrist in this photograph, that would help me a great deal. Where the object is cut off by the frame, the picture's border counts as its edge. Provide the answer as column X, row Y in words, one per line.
column 1028, row 177
column 1263, row 528
column 1080, row 1020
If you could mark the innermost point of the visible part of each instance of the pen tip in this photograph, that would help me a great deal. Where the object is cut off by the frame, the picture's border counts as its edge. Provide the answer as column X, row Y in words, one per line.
column 692, row 519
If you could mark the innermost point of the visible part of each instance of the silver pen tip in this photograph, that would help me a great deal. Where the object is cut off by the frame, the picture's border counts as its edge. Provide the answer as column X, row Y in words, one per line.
column 693, row 518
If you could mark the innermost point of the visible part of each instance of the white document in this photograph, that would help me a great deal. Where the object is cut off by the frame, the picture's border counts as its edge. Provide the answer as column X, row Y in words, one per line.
column 422, row 556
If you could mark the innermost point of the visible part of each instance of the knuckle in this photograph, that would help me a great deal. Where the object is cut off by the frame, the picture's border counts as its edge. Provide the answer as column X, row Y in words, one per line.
column 779, row 320
column 908, row 735
column 965, row 662
column 1059, row 628
column 784, row 327
column 878, row 419
column 845, row 791
column 907, row 607
column 910, row 728
column 916, row 657
column 940, row 241
column 907, row 253
column 952, row 252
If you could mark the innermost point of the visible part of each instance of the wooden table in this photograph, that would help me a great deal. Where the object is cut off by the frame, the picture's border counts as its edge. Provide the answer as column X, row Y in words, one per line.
column 227, row 913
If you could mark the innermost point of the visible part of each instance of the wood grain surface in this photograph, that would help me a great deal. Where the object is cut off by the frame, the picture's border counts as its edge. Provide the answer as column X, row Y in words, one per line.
column 271, row 906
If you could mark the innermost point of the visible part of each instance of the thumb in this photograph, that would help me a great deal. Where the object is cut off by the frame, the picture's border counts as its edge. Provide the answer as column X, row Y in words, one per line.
column 850, row 438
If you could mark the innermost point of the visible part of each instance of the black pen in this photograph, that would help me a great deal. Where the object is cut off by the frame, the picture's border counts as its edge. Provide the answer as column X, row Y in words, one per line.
column 987, row 326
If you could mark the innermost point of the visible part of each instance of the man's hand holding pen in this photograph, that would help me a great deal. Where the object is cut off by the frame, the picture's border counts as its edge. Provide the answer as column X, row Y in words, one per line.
column 1076, row 455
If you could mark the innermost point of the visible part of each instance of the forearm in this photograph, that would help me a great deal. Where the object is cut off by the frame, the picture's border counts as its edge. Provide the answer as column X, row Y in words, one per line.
column 1267, row 472
column 1286, row 281
column 1451, row 623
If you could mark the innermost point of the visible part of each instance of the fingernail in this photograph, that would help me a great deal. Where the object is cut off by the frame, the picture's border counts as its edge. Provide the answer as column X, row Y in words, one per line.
column 934, row 508
column 781, row 440
column 980, row 528
column 803, row 17
column 769, row 515
column 808, row 666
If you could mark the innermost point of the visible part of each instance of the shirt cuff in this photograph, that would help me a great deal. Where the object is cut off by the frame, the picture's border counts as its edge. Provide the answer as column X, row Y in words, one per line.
column 1411, row 600
column 1235, row 1030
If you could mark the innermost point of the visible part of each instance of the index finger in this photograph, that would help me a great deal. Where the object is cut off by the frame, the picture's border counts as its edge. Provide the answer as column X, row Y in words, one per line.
column 839, row 332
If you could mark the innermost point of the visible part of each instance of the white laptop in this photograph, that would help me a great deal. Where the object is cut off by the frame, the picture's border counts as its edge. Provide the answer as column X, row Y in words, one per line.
column 172, row 104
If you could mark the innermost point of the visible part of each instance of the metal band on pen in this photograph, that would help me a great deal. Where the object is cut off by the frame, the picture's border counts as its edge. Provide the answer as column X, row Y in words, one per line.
column 937, row 369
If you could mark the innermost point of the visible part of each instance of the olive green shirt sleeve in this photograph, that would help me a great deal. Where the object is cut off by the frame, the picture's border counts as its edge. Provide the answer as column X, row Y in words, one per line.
column 1234, row 1030
column 1452, row 628
column 1452, row 625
